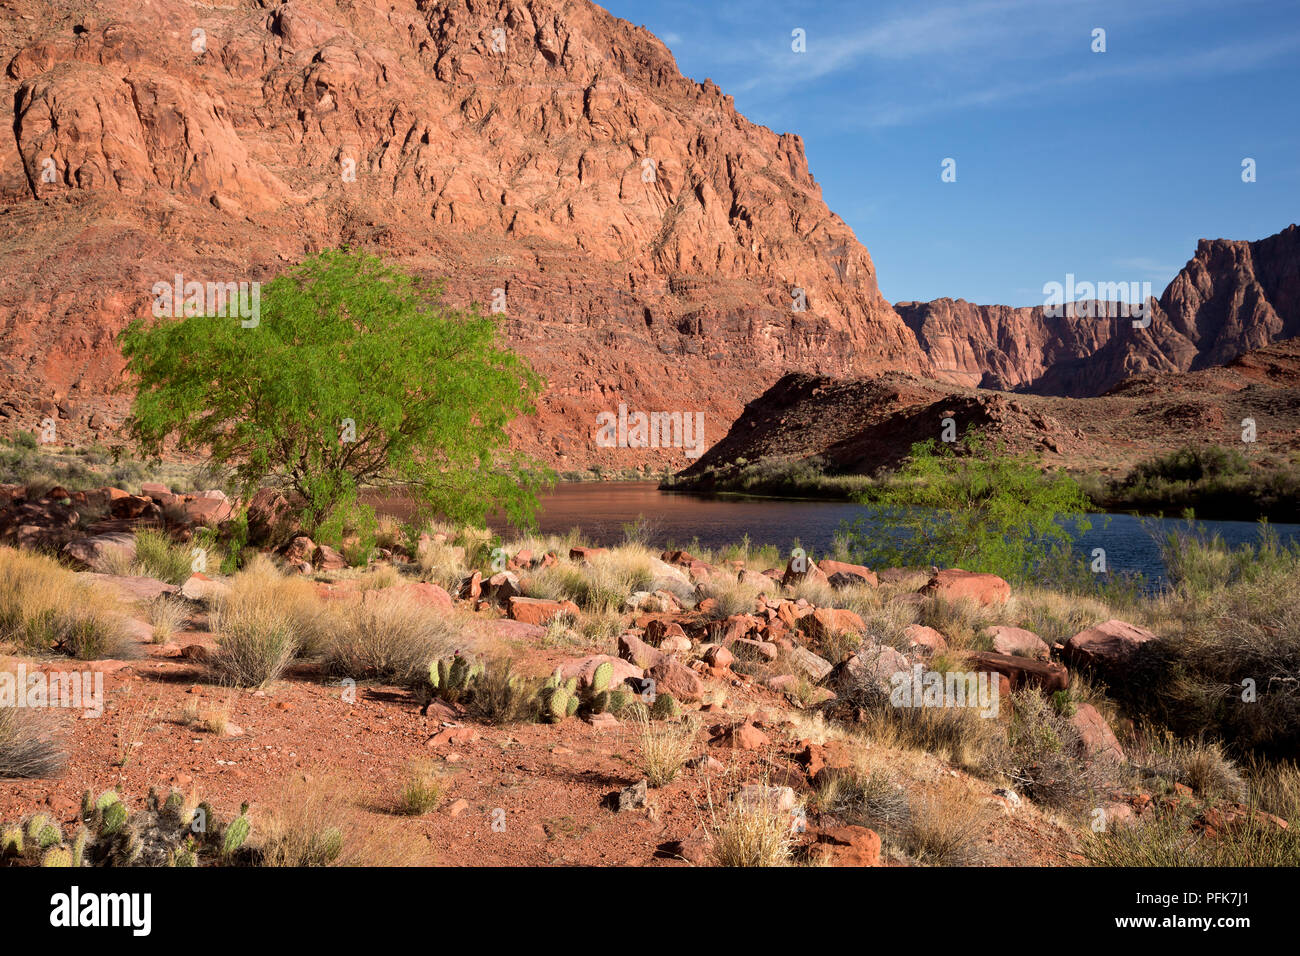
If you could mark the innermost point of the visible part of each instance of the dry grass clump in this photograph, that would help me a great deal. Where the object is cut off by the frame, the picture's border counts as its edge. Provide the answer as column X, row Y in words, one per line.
column 601, row 585
column 958, row 735
column 442, row 563
column 313, row 822
column 27, row 744
column 1044, row 757
column 167, row 614
column 212, row 719
column 752, row 833
column 665, row 745
column 1169, row 839
column 946, row 825
column 1230, row 646
column 1275, row 788
column 732, row 595
column 46, row 608
column 862, row 796
column 263, row 622
column 816, row 592
column 1199, row 763
column 421, row 791
column 158, row 556
column 262, row 585
column 1056, row 616
column 962, row 621
column 392, row 637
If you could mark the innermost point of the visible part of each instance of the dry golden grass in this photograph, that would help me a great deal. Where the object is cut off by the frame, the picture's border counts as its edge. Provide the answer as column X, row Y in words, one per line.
column 167, row 614
column 210, row 718
column 393, row 637
column 28, row 747
column 45, row 608
column 946, row 825
column 732, row 595
column 665, row 745
column 963, row 622
column 1057, row 617
column 421, row 790
column 751, row 833
column 442, row 563
column 601, row 585
column 314, row 822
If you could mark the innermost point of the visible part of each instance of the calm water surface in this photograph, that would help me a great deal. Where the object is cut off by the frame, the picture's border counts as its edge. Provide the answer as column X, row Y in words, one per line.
column 601, row 509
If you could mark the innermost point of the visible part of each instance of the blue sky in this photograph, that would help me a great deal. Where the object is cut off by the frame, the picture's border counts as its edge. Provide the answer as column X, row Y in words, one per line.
column 1107, row 165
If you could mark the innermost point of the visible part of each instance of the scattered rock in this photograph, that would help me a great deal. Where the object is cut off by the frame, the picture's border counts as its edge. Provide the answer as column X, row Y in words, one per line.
column 955, row 584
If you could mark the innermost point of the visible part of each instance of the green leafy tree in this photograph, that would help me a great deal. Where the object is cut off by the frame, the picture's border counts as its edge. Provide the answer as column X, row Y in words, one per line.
column 355, row 377
column 972, row 507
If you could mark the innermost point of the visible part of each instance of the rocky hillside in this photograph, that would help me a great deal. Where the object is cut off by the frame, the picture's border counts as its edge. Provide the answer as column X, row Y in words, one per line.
column 1231, row 296
column 646, row 236
column 859, row 426
column 644, row 239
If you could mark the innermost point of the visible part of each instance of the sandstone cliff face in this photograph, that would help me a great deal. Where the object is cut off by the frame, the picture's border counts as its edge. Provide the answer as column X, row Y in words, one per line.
column 646, row 236
column 1231, row 297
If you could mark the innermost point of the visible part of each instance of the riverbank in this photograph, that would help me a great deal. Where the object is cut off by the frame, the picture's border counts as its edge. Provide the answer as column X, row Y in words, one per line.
column 1267, row 491
column 772, row 685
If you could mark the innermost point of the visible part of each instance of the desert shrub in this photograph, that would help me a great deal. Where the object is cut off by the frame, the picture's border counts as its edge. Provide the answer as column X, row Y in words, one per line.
column 1169, row 839
column 665, row 745
column 975, row 507
column 46, row 608
column 1045, row 757
column 945, row 826
column 158, row 556
column 390, row 637
column 27, row 744
column 752, row 833
column 421, row 791
column 500, row 696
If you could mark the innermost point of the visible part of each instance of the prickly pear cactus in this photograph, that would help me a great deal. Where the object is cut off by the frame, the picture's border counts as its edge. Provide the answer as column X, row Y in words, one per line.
column 665, row 707
column 601, row 678
column 59, row 856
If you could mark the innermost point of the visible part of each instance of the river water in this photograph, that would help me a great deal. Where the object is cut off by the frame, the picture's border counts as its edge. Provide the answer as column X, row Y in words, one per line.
column 601, row 509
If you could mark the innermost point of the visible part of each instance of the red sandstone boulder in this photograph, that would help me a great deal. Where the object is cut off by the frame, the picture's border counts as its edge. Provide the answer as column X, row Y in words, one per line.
column 954, row 584
column 539, row 611
column 1019, row 643
column 1109, row 648
column 925, row 640
column 1048, row 676
column 842, row 575
column 848, row 846
column 1095, row 736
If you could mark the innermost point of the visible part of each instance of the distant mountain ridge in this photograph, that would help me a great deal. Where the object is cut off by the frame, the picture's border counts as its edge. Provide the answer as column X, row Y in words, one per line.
column 1231, row 297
